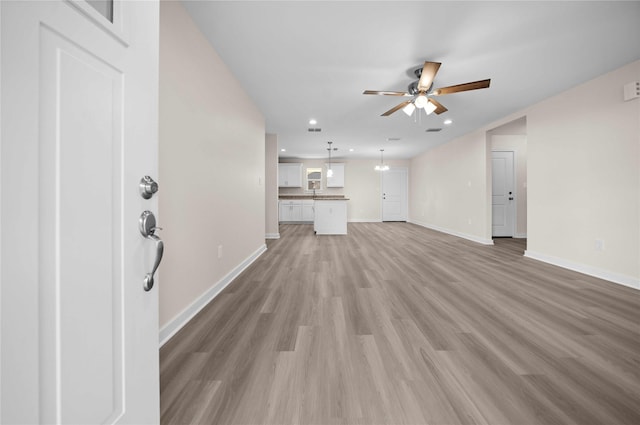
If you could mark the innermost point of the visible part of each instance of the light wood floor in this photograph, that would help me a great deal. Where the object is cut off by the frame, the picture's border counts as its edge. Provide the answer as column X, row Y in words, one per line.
column 397, row 324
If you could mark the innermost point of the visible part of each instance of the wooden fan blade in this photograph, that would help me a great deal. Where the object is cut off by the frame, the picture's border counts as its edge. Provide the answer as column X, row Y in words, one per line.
column 482, row 84
column 429, row 71
column 439, row 107
column 395, row 108
column 386, row 93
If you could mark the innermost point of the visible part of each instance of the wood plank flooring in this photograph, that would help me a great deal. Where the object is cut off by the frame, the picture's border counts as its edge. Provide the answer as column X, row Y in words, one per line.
column 397, row 324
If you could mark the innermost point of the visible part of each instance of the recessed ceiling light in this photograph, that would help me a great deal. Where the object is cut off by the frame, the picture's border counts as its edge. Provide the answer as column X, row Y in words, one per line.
column 447, row 122
column 283, row 150
column 313, row 121
column 351, row 150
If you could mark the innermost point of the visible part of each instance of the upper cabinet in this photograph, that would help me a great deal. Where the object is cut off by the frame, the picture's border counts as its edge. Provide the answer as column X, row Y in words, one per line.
column 289, row 175
column 337, row 179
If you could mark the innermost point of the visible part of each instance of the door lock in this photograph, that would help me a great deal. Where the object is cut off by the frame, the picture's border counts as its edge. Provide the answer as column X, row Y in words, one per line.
column 148, row 187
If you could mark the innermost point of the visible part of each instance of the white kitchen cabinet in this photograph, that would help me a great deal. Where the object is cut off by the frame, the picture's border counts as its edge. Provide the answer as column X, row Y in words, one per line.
column 289, row 175
column 290, row 211
column 337, row 180
column 330, row 217
column 308, row 210
column 293, row 210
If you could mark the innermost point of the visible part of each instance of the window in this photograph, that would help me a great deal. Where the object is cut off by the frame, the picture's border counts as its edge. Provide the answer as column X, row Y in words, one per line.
column 314, row 179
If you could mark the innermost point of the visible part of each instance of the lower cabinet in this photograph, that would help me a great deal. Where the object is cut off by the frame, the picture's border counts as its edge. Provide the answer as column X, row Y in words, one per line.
column 308, row 210
column 290, row 211
column 296, row 211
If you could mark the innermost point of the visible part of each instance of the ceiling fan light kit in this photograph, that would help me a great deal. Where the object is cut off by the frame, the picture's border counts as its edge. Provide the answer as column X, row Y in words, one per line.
column 421, row 90
column 409, row 109
column 421, row 101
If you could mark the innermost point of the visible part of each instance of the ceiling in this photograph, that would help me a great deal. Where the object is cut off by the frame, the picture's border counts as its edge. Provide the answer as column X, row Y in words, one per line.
column 302, row 60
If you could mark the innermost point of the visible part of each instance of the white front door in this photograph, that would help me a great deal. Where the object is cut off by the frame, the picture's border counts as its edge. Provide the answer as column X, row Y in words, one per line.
column 394, row 194
column 503, row 204
column 79, row 340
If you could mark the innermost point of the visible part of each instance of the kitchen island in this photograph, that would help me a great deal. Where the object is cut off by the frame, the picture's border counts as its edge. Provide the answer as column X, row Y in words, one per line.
column 328, row 212
column 330, row 216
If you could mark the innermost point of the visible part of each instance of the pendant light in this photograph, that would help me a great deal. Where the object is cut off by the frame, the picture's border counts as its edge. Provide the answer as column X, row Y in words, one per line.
column 382, row 166
column 329, row 171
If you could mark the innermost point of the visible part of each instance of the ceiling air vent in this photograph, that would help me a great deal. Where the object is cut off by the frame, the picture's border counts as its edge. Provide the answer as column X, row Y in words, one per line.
column 314, row 130
column 433, row 130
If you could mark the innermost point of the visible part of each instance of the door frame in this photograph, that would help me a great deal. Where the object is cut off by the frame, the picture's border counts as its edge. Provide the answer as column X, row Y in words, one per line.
column 405, row 203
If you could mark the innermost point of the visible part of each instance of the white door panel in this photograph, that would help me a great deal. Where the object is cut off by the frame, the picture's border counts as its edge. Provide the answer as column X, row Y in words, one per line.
column 87, row 133
column 394, row 194
column 503, row 211
column 81, row 147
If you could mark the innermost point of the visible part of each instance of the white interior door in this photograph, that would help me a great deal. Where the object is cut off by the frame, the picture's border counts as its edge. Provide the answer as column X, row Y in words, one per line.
column 394, row 194
column 79, row 340
column 503, row 194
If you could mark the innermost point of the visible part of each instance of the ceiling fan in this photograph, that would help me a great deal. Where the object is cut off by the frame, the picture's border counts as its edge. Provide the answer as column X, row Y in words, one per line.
column 421, row 90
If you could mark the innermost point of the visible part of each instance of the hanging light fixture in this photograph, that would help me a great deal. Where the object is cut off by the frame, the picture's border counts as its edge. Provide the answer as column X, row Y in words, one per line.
column 329, row 171
column 382, row 166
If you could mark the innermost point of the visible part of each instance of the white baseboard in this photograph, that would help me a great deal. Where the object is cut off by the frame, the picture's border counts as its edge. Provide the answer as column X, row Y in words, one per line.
column 520, row 236
column 179, row 321
column 473, row 238
column 585, row 269
column 363, row 220
column 272, row 236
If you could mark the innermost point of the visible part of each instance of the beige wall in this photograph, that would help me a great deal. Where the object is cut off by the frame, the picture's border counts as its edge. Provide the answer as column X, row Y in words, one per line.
column 584, row 175
column 518, row 144
column 362, row 186
column 583, row 180
column 271, row 187
column 448, row 188
column 212, row 166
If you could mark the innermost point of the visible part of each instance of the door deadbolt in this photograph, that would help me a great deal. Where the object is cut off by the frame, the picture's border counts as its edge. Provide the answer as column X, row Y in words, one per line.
column 148, row 187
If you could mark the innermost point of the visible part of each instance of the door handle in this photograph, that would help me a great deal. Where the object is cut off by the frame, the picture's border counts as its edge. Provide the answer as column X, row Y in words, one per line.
column 147, row 229
column 148, row 279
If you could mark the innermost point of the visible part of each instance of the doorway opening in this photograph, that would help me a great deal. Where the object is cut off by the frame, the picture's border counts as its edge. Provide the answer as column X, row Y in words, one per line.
column 508, row 162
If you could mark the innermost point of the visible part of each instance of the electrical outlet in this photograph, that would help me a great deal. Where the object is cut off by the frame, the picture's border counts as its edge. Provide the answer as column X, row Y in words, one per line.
column 599, row 245
column 219, row 251
column 469, row 221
